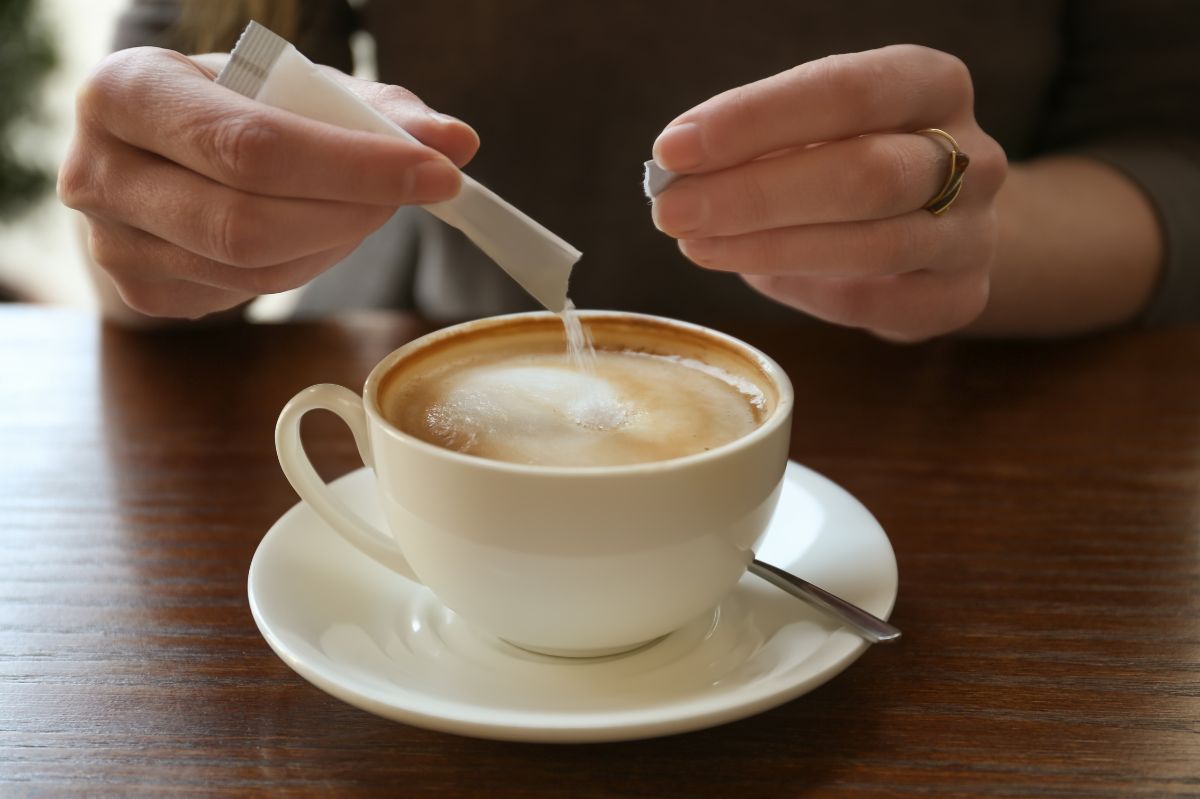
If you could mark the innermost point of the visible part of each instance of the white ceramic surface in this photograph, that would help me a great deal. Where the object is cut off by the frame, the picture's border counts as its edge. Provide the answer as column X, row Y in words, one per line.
column 531, row 552
column 386, row 645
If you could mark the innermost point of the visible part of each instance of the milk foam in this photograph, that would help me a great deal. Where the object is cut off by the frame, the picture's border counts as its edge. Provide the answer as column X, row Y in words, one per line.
column 522, row 401
column 540, row 409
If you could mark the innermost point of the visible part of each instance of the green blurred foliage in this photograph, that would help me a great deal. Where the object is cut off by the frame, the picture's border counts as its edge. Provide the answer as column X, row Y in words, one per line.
column 26, row 56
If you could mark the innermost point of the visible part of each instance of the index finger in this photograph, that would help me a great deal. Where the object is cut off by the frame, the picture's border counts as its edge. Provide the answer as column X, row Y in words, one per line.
column 896, row 88
column 164, row 103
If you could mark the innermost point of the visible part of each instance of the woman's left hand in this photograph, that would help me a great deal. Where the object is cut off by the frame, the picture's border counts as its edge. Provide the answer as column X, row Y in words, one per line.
column 811, row 184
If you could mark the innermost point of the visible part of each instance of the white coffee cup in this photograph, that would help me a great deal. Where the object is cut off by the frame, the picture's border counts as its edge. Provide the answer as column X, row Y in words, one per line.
column 566, row 560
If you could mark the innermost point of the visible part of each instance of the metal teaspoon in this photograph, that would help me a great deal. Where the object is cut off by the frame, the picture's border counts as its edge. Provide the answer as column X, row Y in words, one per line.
column 874, row 630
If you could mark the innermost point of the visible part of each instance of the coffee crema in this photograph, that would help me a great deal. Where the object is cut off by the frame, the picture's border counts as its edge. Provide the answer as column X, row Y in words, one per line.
column 516, row 396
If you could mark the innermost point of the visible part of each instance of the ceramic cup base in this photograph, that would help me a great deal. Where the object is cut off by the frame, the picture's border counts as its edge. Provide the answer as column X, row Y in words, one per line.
column 586, row 654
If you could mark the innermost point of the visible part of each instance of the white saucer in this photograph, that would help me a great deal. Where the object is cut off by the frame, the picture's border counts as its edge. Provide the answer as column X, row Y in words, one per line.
column 386, row 645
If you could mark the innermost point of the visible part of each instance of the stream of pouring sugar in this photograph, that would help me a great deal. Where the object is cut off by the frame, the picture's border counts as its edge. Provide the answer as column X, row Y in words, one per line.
column 596, row 407
column 579, row 343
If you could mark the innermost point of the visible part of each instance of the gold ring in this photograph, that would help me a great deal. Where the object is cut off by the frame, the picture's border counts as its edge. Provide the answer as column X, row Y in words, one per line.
column 959, row 161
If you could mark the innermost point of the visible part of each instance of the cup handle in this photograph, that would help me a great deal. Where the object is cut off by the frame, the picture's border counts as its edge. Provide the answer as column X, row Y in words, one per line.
column 299, row 471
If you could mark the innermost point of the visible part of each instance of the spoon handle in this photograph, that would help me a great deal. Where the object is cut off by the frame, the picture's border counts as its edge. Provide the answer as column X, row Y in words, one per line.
column 873, row 629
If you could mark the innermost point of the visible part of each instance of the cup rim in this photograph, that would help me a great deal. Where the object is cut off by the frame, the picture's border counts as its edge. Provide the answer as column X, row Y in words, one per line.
column 780, row 415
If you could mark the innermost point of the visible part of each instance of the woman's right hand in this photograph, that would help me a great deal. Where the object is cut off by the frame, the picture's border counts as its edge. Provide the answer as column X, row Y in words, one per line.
column 198, row 199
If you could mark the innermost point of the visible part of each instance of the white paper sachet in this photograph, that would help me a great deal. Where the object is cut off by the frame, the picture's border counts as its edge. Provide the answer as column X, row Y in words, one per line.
column 266, row 67
column 656, row 179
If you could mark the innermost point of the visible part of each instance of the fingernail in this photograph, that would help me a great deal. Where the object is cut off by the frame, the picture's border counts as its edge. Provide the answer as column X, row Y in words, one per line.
column 435, row 180
column 679, row 147
column 679, row 211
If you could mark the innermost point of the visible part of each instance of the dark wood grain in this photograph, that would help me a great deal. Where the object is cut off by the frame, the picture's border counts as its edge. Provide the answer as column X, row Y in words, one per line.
column 1043, row 500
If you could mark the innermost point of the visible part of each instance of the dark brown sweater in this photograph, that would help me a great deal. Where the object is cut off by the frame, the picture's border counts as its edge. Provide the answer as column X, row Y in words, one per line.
column 568, row 97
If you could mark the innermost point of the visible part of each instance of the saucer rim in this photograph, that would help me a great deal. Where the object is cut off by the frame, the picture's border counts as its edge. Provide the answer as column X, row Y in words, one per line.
column 840, row 650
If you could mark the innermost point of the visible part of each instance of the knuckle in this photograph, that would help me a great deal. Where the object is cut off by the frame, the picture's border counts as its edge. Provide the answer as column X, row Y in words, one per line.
column 147, row 297
column 94, row 96
column 391, row 96
column 974, row 297
column 858, row 83
column 104, row 249
column 990, row 166
column 850, row 302
column 767, row 250
column 735, row 111
column 272, row 279
column 106, row 86
column 931, row 58
column 961, row 304
column 975, row 256
column 112, row 251
column 885, row 252
column 707, row 255
column 89, row 180
column 176, row 299
column 294, row 274
column 952, row 73
column 900, row 336
column 113, row 259
column 740, row 101
column 239, row 146
column 752, row 201
column 885, row 171
column 235, row 235
column 899, row 245
column 121, row 81
column 945, row 70
column 75, row 186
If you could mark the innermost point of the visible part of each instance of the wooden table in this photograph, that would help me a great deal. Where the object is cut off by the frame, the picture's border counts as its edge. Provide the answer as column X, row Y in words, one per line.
column 1043, row 500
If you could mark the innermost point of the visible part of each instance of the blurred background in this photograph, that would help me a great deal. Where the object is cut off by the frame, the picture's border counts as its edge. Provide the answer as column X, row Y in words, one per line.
column 46, row 49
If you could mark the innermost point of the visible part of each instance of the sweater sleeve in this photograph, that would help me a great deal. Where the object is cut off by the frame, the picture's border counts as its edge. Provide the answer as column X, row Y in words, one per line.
column 1129, row 95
